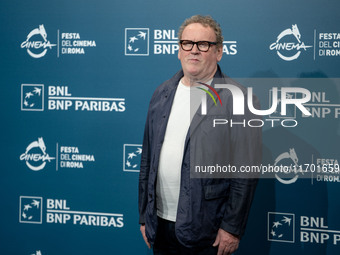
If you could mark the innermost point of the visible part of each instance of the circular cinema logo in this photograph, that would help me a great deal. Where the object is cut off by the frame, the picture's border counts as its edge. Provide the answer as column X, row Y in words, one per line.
column 36, row 43
column 288, row 45
column 292, row 175
column 35, row 155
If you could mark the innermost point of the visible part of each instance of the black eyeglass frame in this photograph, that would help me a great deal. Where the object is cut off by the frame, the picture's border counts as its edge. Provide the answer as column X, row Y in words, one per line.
column 197, row 44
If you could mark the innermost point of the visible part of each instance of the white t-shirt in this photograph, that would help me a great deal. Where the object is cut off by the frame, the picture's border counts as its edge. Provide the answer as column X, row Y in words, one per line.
column 187, row 99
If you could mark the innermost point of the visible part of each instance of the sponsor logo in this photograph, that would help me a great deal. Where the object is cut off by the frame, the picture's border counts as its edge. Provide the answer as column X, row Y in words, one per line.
column 58, row 212
column 72, row 44
column 137, row 42
column 61, row 99
column 281, row 227
column 132, row 157
column 288, row 45
column 36, row 156
column 327, row 170
column 329, row 44
column 36, row 43
column 294, row 167
column 30, row 210
column 68, row 43
column 32, row 97
column 320, row 169
column 320, row 106
column 70, row 157
column 315, row 230
column 164, row 42
column 67, row 156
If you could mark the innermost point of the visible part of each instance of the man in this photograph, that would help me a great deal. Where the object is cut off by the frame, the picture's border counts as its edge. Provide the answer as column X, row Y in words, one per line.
column 180, row 214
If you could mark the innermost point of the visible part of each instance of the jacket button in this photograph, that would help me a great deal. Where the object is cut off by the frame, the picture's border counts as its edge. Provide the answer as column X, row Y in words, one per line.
column 150, row 196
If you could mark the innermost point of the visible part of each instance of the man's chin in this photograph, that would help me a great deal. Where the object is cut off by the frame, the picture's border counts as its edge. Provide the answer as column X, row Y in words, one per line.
column 194, row 73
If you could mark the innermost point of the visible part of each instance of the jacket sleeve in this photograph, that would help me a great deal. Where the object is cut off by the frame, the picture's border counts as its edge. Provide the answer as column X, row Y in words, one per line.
column 246, row 150
column 147, row 155
column 144, row 171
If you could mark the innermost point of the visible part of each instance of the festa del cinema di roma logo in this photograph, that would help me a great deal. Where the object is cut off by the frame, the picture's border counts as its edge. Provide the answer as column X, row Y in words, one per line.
column 289, row 40
column 36, row 156
column 35, row 47
column 291, row 155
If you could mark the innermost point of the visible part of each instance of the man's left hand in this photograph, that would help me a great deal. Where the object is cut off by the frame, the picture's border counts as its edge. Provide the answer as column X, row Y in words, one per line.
column 226, row 242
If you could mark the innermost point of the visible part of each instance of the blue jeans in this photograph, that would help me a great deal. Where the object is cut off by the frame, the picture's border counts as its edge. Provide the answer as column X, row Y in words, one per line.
column 166, row 242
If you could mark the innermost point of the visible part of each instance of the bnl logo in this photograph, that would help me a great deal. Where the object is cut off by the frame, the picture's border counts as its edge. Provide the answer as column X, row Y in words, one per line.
column 137, row 41
column 132, row 157
column 32, row 97
column 30, row 210
column 281, row 227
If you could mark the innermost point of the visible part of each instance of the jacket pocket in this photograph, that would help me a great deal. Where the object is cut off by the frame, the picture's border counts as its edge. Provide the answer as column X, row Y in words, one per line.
column 215, row 191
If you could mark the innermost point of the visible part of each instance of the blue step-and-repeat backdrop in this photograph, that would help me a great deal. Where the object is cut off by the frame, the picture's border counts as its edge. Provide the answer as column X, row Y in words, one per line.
column 76, row 80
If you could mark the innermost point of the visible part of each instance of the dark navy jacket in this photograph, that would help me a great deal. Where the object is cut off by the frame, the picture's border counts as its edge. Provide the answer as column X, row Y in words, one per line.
column 205, row 204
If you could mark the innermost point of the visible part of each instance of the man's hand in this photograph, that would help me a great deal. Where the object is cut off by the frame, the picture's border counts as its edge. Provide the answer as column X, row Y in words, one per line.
column 142, row 229
column 226, row 242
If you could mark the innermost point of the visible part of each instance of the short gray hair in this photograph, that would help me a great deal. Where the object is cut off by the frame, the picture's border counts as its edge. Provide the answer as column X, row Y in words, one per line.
column 206, row 21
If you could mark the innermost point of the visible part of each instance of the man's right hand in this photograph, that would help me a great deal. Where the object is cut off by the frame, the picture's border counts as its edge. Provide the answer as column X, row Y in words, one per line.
column 142, row 229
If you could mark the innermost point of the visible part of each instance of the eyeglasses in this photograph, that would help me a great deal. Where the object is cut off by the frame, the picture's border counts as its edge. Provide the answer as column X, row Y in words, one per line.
column 203, row 46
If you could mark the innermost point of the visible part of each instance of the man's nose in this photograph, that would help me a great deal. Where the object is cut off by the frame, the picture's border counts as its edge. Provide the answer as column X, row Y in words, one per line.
column 195, row 49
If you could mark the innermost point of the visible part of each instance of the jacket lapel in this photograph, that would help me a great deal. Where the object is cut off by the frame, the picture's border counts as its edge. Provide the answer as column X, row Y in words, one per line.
column 198, row 117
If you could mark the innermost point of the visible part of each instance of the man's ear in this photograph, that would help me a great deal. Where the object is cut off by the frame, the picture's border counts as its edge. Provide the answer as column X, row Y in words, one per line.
column 179, row 52
column 219, row 53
